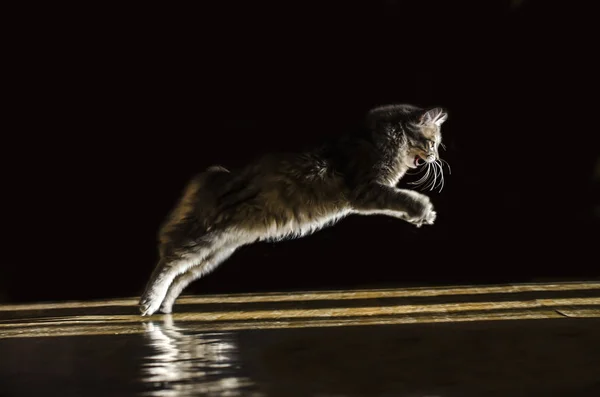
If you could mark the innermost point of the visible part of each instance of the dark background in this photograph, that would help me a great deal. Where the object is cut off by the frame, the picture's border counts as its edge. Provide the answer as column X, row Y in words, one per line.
column 111, row 110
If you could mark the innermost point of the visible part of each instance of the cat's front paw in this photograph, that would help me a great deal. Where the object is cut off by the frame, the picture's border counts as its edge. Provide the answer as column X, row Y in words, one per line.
column 429, row 219
column 421, row 211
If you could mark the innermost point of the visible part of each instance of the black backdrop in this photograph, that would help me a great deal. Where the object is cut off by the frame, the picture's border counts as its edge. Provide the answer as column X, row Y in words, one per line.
column 112, row 110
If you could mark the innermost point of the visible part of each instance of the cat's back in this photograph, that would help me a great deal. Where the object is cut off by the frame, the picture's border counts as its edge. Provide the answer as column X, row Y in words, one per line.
column 296, row 173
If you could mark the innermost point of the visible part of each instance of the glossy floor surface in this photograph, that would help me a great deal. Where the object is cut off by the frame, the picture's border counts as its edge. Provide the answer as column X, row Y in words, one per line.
column 512, row 340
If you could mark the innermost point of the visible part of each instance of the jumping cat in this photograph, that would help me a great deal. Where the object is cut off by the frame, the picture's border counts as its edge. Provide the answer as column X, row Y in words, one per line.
column 290, row 195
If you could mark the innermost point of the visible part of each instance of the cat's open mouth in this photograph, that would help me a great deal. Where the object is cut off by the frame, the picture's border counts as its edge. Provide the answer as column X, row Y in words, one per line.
column 419, row 161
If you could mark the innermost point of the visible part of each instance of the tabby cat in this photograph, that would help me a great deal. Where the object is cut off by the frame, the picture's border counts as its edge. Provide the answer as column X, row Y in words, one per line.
column 294, row 194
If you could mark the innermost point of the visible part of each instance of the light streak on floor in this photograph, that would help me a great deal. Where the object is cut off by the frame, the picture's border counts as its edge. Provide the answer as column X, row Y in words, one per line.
column 535, row 339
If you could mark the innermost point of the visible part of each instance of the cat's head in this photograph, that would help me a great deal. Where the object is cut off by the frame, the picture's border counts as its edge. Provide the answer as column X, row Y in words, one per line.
column 415, row 130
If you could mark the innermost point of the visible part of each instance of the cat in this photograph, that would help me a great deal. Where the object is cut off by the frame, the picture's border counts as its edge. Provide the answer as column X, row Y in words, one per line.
column 289, row 195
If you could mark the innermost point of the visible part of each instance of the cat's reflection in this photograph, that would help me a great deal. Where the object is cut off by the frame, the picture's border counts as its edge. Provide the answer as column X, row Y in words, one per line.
column 312, row 362
column 184, row 364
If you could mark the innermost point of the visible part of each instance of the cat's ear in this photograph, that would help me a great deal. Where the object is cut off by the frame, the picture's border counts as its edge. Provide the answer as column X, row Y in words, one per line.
column 435, row 116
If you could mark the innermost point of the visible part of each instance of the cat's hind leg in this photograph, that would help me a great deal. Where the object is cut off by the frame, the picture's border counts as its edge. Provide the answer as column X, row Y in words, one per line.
column 250, row 227
column 162, row 277
column 183, row 280
column 167, row 269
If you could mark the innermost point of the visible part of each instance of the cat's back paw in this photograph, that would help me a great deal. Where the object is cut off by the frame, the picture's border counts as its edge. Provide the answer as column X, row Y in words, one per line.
column 166, row 307
column 149, row 304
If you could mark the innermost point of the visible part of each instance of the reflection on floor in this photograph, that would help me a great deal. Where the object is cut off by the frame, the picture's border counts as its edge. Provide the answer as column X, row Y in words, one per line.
column 511, row 340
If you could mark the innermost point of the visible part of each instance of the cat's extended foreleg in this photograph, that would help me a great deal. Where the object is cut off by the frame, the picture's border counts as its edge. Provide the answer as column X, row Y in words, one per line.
column 405, row 204
column 194, row 273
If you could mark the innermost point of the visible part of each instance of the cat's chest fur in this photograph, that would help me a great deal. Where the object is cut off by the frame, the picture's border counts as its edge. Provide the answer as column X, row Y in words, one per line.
column 389, row 166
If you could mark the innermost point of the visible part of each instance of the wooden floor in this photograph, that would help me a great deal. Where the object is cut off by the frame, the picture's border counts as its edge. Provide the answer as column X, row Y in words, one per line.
column 508, row 340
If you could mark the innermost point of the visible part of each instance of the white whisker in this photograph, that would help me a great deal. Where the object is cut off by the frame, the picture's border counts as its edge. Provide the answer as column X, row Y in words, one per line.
column 435, row 175
column 439, row 165
column 429, row 175
column 428, row 181
column 419, row 170
column 423, row 178
column 440, row 174
column 448, row 165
